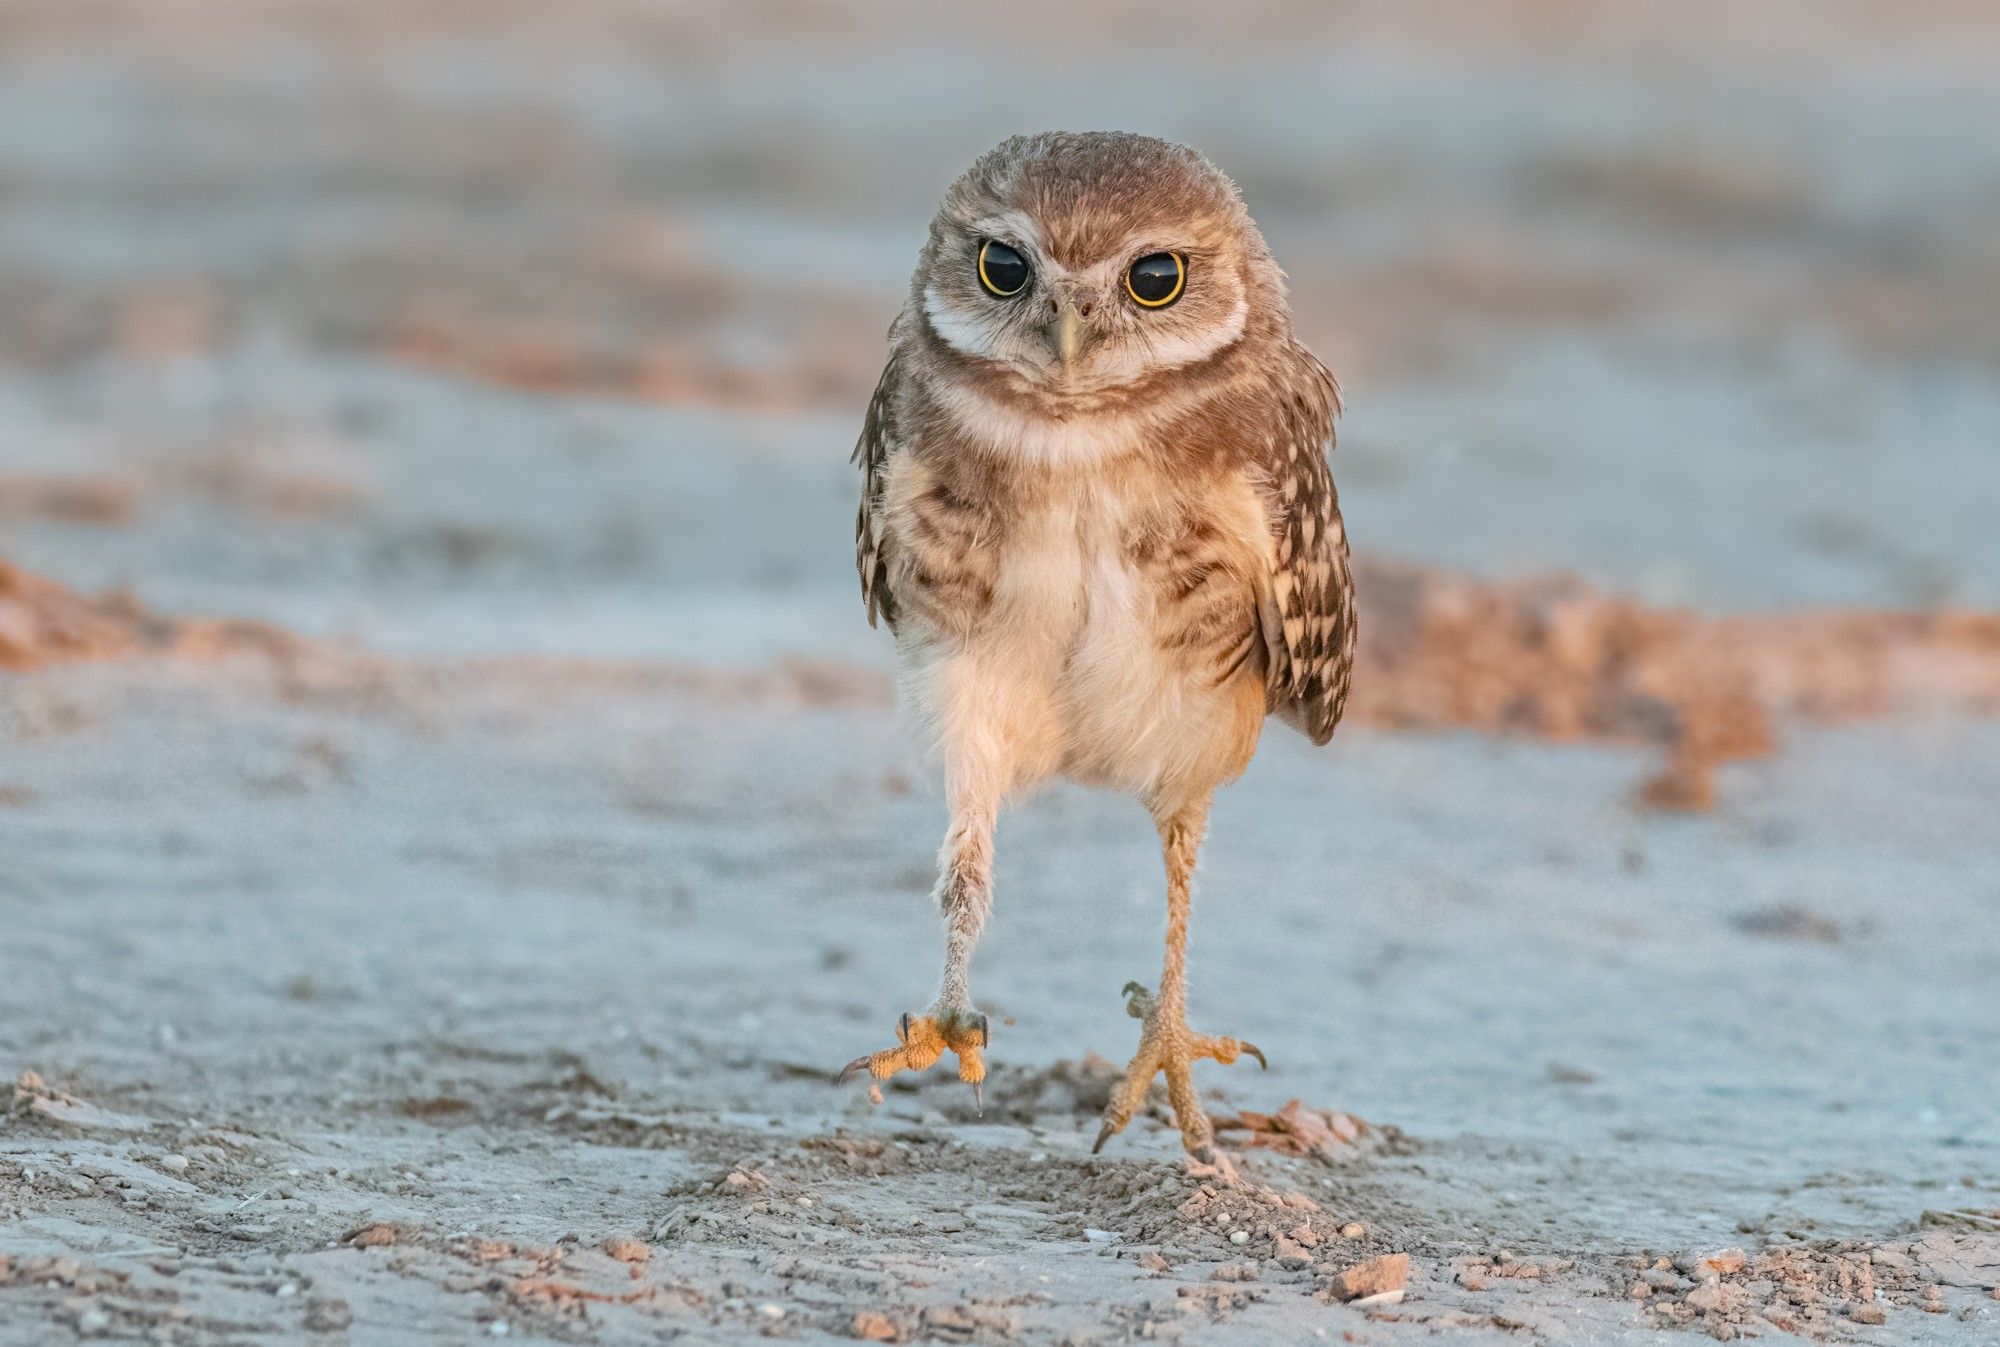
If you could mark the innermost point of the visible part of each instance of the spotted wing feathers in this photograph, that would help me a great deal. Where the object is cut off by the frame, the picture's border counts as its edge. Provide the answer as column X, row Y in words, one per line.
column 1307, row 609
column 879, row 441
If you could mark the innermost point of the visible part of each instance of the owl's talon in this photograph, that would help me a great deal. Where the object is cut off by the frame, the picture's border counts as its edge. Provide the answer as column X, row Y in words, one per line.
column 921, row 1040
column 1166, row 1044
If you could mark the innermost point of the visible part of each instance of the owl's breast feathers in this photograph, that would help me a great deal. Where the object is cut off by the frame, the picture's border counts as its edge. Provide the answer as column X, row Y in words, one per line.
column 1275, row 431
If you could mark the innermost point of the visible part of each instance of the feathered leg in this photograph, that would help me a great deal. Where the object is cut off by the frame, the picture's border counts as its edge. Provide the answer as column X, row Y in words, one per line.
column 1166, row 1043
column 965, row 896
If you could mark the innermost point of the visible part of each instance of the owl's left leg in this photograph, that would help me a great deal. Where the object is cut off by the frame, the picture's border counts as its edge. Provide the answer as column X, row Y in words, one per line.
column 965, row 896
column 1166, row 1043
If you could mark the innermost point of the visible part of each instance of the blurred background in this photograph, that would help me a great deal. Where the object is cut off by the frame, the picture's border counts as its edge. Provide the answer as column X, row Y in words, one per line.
column 491, row 325
column 437, row 693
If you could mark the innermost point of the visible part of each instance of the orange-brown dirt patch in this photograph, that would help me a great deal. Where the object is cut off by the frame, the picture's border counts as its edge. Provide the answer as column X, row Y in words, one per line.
column 45, row 622
column 1557, row 659
column 1548, row 658
column 97, row 501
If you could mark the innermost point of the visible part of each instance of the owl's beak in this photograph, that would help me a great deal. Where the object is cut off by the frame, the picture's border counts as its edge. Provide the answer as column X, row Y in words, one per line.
column 1066, row 334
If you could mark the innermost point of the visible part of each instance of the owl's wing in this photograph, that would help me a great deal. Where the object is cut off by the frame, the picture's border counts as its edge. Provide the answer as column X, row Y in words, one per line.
column 879, row 441
column 1306, row 608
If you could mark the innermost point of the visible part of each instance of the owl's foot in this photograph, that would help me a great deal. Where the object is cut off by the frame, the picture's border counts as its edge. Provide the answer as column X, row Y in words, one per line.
column 924, row 1039
column 1167, row 1044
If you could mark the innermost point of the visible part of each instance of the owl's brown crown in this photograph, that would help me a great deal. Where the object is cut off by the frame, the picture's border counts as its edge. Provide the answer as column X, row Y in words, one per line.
column 1090, row 191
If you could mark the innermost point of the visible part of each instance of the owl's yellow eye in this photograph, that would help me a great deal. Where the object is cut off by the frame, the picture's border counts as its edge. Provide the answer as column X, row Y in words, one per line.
column 1002, row 271
column 1157, row 280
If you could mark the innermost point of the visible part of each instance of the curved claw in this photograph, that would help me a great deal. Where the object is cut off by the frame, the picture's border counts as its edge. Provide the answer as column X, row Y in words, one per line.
column 923, row 1039
column 1258, row 1053
column 1104, row 1134
column 979, row 1098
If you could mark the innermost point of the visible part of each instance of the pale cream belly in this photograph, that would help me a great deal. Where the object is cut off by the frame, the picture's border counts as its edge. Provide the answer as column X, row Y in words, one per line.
column 1070, row 674
column 1143, row 719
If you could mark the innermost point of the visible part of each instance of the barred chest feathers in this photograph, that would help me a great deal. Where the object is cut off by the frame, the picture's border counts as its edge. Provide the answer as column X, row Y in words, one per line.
column 1093, row 622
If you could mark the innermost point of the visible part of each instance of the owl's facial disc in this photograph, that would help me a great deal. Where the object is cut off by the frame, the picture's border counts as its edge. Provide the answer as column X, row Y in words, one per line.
column 1080, row 315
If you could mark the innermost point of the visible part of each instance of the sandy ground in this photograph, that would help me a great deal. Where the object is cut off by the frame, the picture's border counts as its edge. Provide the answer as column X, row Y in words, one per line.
column 432, row 898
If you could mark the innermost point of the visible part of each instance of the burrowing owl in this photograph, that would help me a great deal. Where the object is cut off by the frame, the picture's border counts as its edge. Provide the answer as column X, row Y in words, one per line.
column 1097, row 515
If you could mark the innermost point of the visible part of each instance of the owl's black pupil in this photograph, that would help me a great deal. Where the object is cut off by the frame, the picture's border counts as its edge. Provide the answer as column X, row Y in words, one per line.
column 1154, row 278
column 1006, row 270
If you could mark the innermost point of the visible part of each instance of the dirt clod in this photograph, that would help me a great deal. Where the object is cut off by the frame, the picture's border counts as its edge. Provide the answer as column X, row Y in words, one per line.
column 634, row 1251
column 872, row 1326
column 1375, row 1277
column 377, row 1235
column 1323, row 1134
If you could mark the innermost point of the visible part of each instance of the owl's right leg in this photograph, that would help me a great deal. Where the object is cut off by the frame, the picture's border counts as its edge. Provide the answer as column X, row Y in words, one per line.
column 965, row 896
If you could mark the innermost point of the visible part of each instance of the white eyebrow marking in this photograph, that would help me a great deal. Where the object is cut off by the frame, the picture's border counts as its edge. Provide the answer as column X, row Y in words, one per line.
column 1011, row 227
column 962, row 332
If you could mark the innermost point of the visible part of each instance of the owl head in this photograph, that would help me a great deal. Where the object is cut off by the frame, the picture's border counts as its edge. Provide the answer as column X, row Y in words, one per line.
column 1072, row 266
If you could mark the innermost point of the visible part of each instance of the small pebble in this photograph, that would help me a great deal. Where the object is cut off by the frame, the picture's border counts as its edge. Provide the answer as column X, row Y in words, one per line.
column 770, row 1311
column 288, row 1290
column 1354, row 1230
column 499, row 1328
column 93, row 1320
column 1239, row 1237
column 177, row 1163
